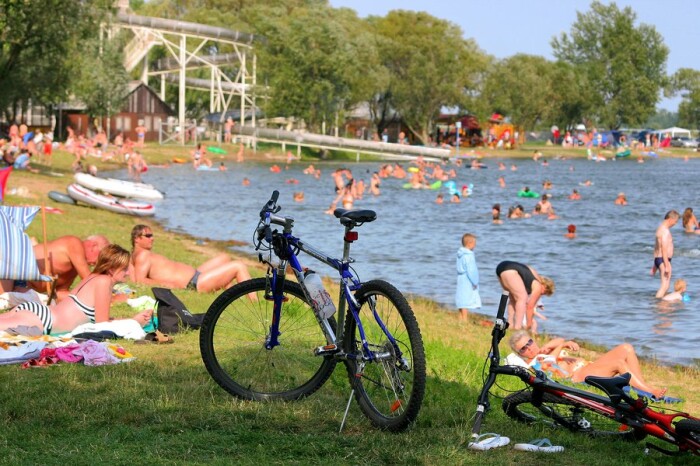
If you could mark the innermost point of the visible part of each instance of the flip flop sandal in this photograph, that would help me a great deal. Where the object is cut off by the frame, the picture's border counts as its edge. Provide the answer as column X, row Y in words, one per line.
column 488, row 441
column 542, row 445
column 157, row 338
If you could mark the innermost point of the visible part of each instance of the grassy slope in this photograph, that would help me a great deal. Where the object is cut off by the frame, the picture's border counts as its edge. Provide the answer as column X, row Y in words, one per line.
column 163, row 408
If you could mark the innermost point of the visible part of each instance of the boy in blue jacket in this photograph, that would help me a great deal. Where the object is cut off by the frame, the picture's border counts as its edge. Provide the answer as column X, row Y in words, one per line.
column 467, row 295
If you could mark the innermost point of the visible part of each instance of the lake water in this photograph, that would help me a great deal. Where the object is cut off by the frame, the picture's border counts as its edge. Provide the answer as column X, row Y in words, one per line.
column 604, row 291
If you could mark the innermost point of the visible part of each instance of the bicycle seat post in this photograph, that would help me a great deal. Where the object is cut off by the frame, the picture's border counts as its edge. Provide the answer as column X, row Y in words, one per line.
column 349, row 237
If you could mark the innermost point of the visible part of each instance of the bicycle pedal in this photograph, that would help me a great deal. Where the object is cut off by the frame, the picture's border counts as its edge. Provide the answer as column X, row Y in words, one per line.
column 326, row 350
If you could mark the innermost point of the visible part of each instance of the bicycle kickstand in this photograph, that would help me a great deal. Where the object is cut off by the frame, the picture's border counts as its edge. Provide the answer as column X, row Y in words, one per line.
column 347, row 408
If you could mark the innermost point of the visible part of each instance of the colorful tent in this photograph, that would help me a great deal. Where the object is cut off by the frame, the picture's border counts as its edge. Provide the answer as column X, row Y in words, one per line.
column 17, row 260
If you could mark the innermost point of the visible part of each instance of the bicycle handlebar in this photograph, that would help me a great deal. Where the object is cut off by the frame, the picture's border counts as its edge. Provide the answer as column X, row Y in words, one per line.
column 267, row 216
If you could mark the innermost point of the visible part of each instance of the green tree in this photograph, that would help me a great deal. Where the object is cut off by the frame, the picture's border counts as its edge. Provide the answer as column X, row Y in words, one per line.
column 311, row 62
column 686, row 82
column 100, row 80
column 521, row 87
column 571, row 97
column 430, row 65
column 39, row 41
column 624, row 63
column 662, row 119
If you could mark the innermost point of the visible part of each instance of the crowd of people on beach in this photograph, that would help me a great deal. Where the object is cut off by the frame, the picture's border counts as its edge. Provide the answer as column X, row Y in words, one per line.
column 21, row 145
column 90, row 299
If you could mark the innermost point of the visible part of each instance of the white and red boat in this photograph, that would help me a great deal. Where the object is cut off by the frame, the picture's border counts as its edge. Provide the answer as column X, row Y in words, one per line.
column 112, row 203
column 121, row 188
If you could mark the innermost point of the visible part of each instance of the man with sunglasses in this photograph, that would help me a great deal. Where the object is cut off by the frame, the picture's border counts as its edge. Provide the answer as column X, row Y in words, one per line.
column 155, row 269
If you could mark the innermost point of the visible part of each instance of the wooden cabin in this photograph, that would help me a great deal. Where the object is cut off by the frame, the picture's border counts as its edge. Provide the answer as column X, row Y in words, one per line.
column 142, row 105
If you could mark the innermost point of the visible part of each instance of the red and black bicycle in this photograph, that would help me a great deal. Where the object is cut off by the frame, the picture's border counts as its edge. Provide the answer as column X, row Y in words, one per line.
column 615, row 414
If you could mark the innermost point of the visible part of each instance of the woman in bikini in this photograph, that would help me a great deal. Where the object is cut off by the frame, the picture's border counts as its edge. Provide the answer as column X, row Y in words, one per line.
column 618, row 360
column 526, row 287
column 89, row 301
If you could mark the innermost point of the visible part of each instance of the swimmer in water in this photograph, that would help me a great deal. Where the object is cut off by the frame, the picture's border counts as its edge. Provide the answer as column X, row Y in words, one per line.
column 679, row 291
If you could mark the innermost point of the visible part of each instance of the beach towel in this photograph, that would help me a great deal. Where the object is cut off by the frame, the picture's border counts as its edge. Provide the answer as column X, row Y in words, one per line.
column 124, row 328
column 17, row 260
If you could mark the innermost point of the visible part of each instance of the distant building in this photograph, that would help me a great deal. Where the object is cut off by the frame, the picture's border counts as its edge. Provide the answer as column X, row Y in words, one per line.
column 142, row 105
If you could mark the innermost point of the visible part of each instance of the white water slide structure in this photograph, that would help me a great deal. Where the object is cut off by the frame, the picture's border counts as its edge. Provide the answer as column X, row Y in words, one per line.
column 231, row 75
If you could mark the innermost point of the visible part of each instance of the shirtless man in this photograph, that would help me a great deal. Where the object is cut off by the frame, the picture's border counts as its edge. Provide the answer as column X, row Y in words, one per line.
column 663, row 251
column 374, row 183
column 153, row 269
column 546, row 206
column 69, row 256
column 227, row 130
column 140, row 134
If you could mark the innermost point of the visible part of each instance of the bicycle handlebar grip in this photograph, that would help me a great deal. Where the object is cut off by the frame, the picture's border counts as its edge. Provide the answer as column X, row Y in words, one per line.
column 270, row 206
column 502, row 305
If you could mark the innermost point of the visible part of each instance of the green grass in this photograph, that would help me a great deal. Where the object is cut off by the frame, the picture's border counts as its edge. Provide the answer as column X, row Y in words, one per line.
column 163, row 408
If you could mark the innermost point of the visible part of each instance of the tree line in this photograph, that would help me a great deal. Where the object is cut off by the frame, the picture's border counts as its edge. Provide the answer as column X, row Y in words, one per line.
column 318, row 63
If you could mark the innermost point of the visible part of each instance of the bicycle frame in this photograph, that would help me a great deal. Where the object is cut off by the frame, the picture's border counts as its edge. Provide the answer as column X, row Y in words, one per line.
column 617, row 405
column 284, row 245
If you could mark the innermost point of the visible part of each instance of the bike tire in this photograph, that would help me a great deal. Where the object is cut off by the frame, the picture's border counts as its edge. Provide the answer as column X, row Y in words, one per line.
column 232, row 344
column 575, row 416
column 389, row 395
column 688, row 428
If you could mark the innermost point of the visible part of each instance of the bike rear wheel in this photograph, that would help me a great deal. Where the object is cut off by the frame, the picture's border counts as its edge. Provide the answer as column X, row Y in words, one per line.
column 559, row 412
column 389, row 390
column 690, row 429
column 232, row 343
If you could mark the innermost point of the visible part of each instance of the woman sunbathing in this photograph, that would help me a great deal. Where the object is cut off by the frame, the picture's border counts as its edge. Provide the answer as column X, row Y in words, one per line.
column 89, row 301
column 619, row 360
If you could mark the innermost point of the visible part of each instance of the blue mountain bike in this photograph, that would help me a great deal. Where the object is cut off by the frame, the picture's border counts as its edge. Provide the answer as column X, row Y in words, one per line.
column 273, row 338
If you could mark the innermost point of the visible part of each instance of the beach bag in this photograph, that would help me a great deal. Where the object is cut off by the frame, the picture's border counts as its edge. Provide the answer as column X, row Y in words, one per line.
column 172, row 315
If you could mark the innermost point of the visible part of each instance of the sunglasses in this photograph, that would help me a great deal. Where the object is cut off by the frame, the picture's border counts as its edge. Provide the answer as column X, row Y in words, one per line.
column 148, row 235
column 525, row 346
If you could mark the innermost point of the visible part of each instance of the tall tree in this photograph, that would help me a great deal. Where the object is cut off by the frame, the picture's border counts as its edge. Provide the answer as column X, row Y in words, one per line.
column 625, row 63
column 686, row 82
column 312, row 62
column 571, row 103
column 38, row 42
column 521, row 87
column 430, row 66
column 100, row 80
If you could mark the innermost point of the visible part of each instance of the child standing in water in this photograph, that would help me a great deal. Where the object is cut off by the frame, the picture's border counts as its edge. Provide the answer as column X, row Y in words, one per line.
column 467, row 295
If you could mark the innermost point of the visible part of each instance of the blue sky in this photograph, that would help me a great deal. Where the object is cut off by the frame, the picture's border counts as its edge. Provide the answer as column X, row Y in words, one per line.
column 506, row 27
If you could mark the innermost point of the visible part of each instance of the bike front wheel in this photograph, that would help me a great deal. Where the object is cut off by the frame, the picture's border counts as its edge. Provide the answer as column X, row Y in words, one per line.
column 559, row 412
column 389, row 388
column 233, row 337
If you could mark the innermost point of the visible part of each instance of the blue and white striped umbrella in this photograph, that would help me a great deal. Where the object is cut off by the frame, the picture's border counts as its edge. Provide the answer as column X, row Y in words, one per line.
column 17, row 260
